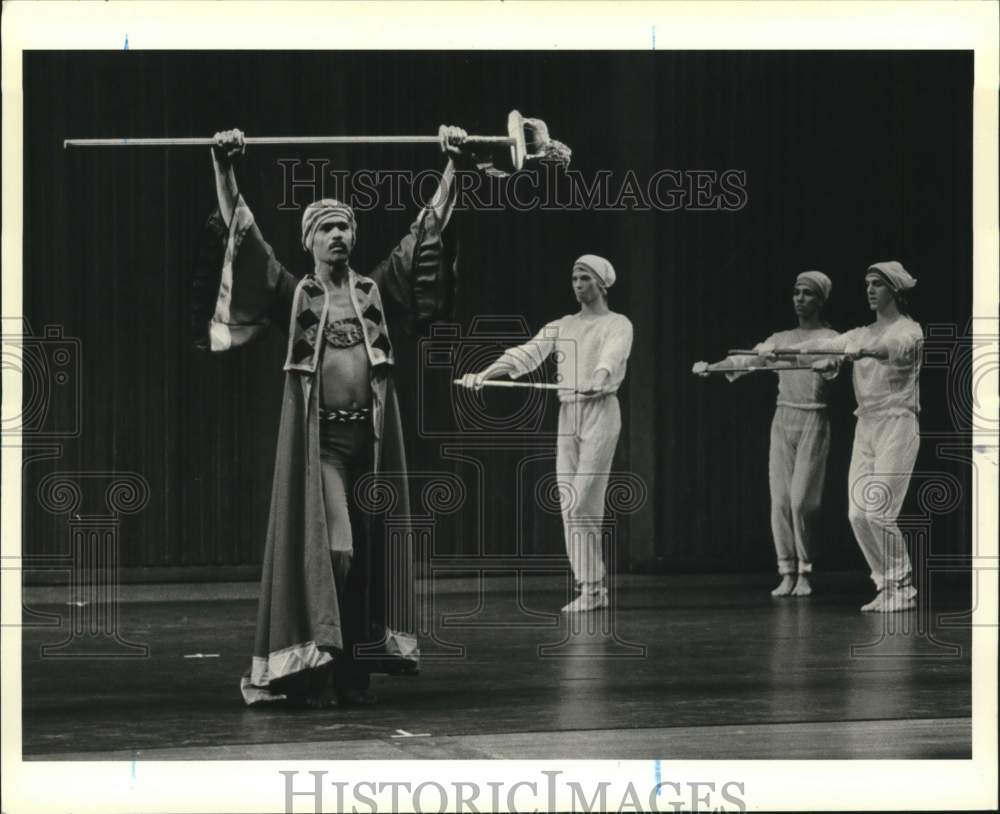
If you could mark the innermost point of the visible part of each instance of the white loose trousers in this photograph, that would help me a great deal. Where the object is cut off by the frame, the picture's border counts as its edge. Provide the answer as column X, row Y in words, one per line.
column 588, row 435
column 885, row 450
column 800, row 441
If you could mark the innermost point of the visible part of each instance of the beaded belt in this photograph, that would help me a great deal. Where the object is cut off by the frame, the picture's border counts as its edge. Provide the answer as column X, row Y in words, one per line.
column 344, row 416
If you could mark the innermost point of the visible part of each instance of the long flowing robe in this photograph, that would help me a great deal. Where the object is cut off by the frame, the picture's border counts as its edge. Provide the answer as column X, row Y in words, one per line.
column 299, row 626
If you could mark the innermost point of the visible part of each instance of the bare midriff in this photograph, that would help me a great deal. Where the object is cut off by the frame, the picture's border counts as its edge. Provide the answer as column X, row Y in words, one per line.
column 346, row 378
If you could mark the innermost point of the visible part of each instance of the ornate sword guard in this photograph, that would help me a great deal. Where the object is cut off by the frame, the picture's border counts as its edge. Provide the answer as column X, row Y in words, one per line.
column 531, row 142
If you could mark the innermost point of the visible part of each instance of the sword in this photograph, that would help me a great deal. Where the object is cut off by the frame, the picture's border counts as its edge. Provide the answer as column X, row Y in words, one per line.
column 864, row 354
column 524, row 385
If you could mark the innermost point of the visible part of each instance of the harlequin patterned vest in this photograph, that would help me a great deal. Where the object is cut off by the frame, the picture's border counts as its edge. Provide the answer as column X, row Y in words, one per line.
column 310, row 307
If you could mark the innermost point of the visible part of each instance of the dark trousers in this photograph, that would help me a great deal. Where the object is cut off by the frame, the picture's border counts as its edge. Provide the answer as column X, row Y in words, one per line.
column 345, row 454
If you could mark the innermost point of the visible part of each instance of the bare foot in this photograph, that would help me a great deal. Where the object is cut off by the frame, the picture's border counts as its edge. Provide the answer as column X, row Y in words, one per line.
column 348, row 697
column 319, row 693
column 895, row 602
column 785, row 587
column 802, row 586
column 875, row 606
column 321, row 699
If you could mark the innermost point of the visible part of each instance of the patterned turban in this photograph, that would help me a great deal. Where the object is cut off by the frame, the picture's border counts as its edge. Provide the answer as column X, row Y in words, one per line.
column 322, row 211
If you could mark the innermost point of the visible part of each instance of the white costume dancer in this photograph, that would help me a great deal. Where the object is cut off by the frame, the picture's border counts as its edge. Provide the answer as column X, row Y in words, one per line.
column 800, row 437
column 593, row 349
column 887, row 436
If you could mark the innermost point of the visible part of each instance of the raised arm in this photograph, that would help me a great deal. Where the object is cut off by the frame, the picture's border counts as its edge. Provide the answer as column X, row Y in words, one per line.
column 418, row 276
column 228, row 145
column 443, row 201
column 253, row 290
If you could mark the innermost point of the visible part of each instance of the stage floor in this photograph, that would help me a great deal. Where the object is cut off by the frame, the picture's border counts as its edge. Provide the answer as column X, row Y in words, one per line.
column 685, row 667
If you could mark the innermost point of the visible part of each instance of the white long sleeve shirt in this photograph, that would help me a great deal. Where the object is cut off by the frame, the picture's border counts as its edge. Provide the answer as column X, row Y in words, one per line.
column 582, row 346
column 885, row 386
column 801, row 389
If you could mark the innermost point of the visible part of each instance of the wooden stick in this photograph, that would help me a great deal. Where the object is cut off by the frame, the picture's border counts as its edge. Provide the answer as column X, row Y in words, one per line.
column 210, row 142
column 865, row 354
column 528, row 385
column 759, row 367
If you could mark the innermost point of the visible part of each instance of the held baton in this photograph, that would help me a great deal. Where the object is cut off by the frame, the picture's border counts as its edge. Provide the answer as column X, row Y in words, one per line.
column 281, row 140
column 864, row 354
column 760, row 367
column 527, row 139
column 527, row 385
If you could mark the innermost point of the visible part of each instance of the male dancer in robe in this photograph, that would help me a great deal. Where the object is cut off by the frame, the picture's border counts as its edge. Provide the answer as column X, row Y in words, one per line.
column 594, row 345
column 321, row 587
column 800, row 437
column 887, row 435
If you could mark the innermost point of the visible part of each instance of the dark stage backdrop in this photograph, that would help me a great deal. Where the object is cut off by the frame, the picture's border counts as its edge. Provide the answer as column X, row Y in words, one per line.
column 849, row 158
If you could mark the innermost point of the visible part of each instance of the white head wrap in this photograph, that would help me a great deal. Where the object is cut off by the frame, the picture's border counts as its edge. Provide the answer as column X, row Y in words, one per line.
column 899, row 279
column 817, row 281
column 599, row 267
